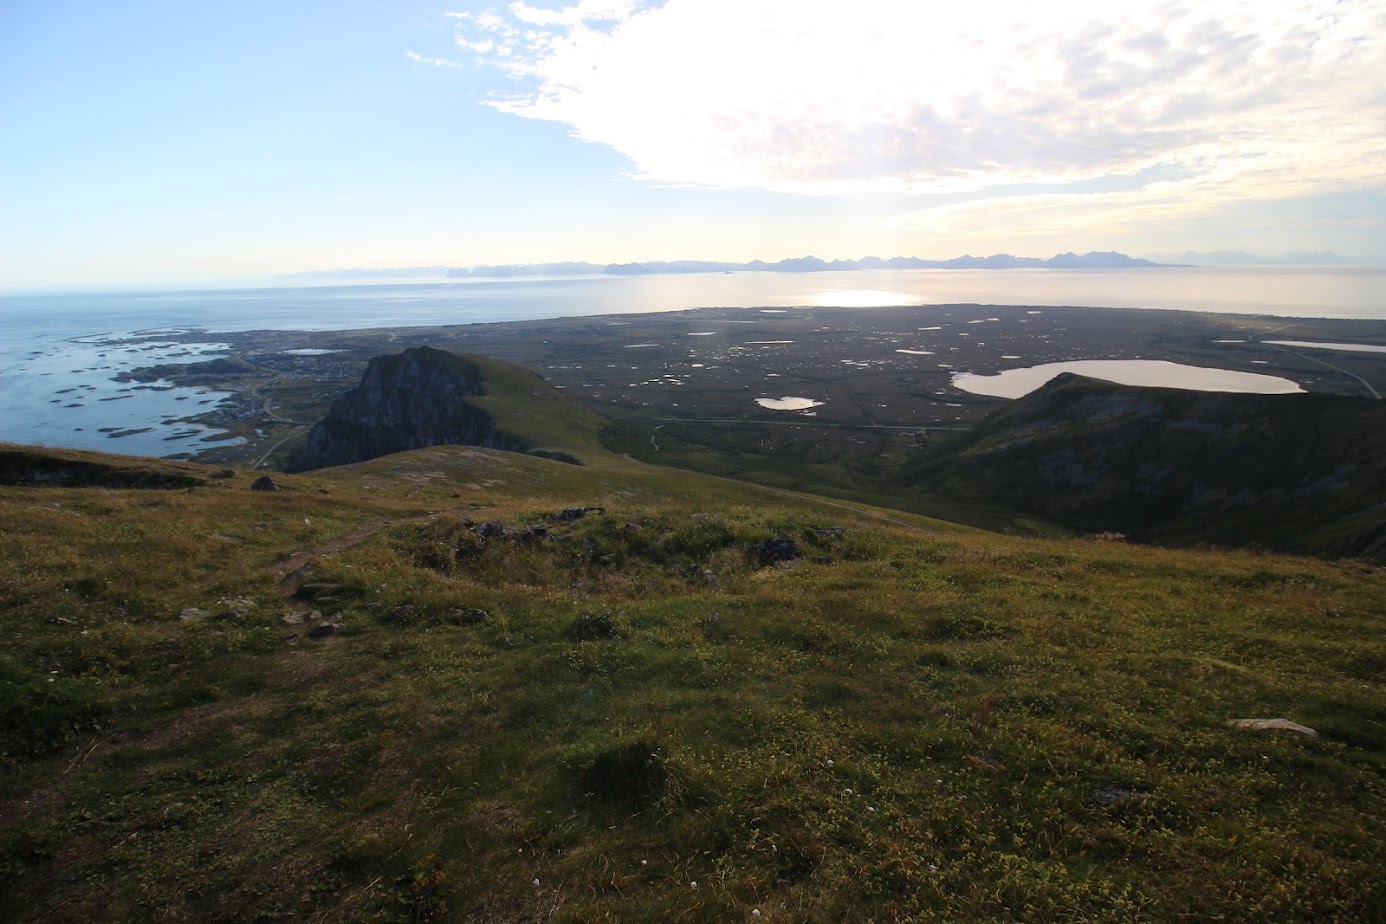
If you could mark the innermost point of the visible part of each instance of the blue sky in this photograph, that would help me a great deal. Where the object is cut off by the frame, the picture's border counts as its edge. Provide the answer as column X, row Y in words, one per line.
column 182, row 141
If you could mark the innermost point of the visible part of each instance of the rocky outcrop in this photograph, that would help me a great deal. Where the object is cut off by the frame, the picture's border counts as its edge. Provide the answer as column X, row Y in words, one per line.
column 36, row 467
column 1302, row 472
column 410, row 400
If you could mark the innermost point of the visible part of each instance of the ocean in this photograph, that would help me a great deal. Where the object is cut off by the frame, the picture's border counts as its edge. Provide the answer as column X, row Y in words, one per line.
column 61, row 352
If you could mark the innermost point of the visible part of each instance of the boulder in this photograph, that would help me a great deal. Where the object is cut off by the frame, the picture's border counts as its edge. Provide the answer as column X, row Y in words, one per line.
column 778, row 549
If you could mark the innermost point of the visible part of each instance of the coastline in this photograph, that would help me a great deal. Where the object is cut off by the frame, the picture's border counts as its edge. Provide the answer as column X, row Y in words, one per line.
column 252, row 392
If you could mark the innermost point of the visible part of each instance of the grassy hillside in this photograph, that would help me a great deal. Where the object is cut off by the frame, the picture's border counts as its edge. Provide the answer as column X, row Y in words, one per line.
column 639, row 713
column 526, row 405
column 1303, row 473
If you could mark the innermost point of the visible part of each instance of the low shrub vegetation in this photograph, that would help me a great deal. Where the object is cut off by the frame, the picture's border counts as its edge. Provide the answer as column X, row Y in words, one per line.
column 640, row 713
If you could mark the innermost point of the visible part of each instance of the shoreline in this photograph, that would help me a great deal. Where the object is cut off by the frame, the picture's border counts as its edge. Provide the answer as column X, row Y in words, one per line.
column 874, row 367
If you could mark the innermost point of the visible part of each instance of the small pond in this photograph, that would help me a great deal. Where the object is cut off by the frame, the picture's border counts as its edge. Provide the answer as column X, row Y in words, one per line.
column 788, row 403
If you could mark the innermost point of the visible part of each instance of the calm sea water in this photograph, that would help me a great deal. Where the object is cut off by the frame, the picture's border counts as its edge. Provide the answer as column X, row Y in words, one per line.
column 60, row 352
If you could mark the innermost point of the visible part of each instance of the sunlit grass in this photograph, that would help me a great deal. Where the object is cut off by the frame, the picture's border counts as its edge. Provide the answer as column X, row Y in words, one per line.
column 903, row 725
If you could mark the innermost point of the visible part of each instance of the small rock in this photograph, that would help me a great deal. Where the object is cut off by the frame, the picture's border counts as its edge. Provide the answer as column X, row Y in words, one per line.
column 223, row 473
column 62, row 621
column 710, row 578
column 489, row 529
column 778, row 549
column 568, row 514
column 829, row 532
column 323, row 630
column 264, row 483
column 534, row 533
column 1274, row 725
column 193, row 612
column 299, row 617
column 235, row 607
column 467, row 616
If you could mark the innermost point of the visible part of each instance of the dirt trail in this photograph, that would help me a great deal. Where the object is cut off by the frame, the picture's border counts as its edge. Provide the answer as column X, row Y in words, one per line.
column 287, row 574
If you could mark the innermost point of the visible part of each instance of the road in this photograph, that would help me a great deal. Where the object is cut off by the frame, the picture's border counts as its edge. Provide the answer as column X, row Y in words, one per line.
column 271, row 413
column 1314, row 359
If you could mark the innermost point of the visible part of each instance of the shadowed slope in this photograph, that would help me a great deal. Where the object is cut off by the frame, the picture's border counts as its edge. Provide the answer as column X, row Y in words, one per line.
column 1304, row 473
column 427, row 397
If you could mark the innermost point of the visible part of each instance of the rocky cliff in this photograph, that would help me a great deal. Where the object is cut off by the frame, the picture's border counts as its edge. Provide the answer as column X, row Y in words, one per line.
column 1304, row 472
column 405, row 401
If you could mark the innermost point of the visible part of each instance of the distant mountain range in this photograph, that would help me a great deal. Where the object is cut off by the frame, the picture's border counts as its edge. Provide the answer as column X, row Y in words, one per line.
column 1091, row 260
column 1242, row 258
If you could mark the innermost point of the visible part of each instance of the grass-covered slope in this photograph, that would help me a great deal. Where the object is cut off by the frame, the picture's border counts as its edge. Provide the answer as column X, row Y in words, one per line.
column 654, row 712
column 1302, row 473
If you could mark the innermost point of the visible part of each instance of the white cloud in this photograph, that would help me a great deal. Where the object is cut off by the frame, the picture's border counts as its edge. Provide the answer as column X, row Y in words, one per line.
column 1265, row 99
column 423, row 59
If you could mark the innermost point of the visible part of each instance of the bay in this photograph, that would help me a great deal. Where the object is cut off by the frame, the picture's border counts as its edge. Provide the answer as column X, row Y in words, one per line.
column 61, row 346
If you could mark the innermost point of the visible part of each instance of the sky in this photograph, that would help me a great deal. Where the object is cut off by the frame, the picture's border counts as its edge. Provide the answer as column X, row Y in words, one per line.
column 164, row 142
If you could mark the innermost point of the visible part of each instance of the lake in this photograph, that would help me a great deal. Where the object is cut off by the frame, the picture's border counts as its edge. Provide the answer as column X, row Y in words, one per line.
column 1152, row 373
column 63, row 349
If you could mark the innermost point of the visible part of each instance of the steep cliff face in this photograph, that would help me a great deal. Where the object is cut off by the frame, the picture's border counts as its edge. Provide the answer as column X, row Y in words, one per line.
column 406, row 401
column 1294, row 472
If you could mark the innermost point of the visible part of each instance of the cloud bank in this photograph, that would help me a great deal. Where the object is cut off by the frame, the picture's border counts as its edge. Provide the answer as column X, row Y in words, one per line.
column 1216, row 99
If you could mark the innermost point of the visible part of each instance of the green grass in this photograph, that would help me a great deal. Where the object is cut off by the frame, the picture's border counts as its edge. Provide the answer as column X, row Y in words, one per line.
column 908, row 724
column 528, row 407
